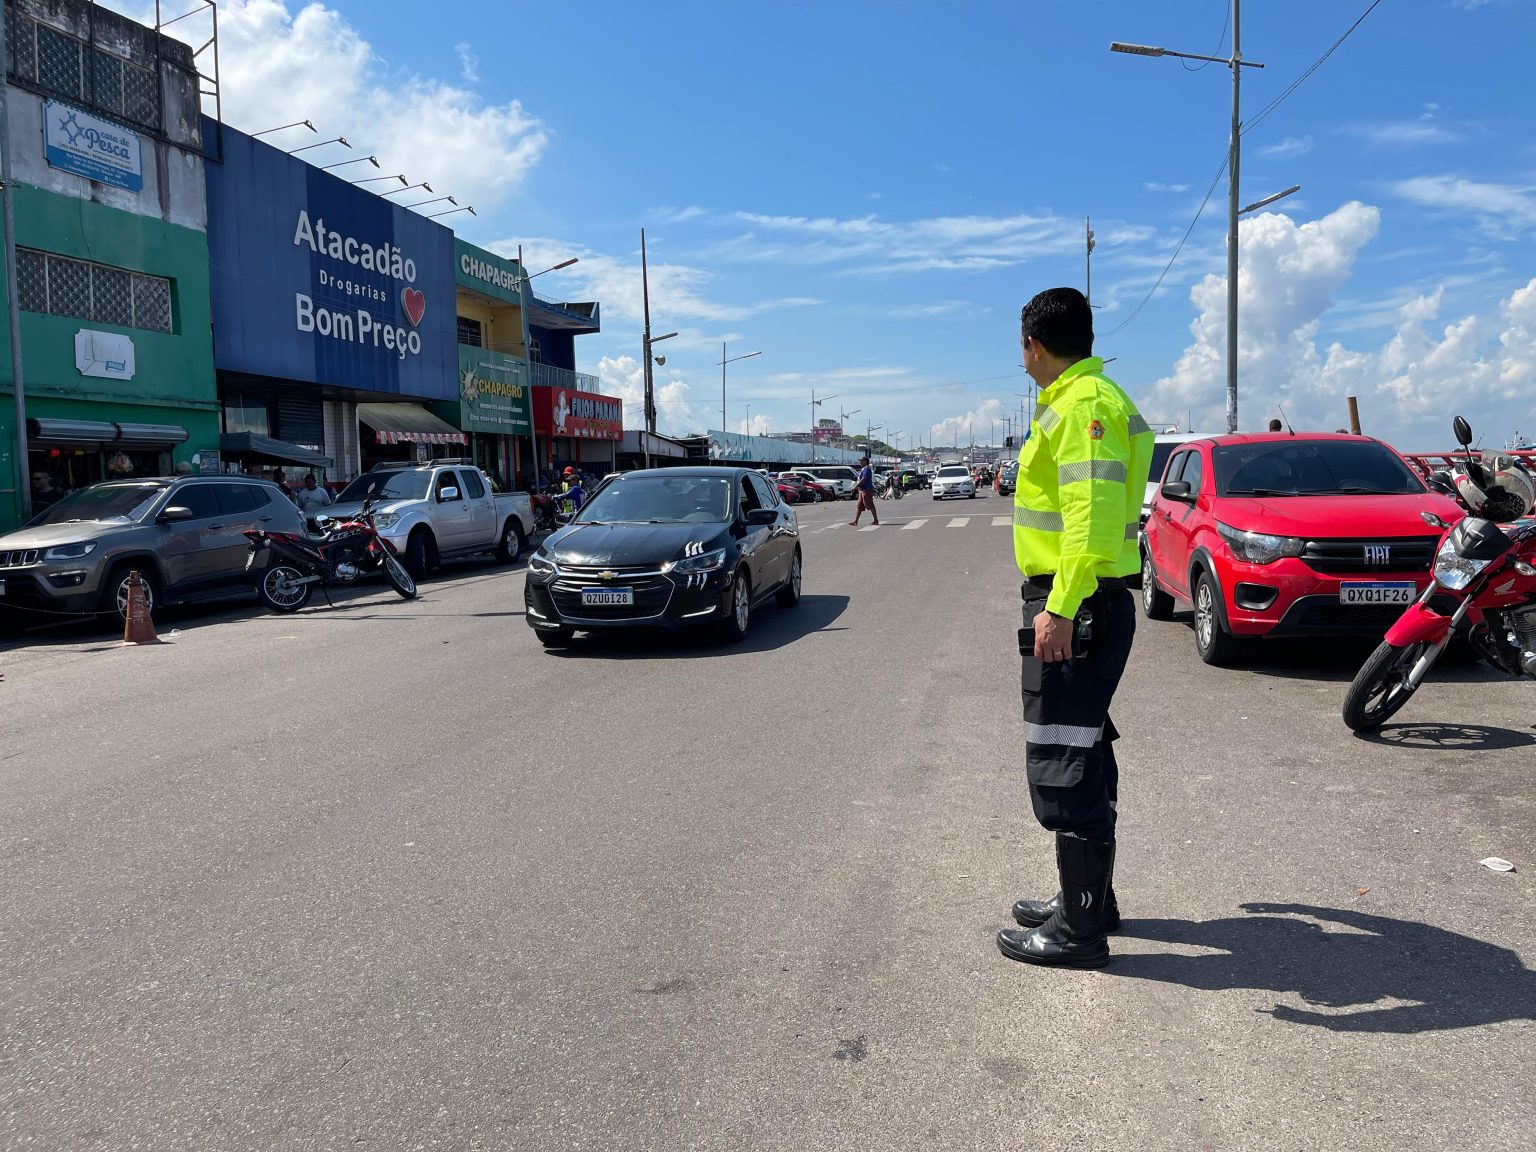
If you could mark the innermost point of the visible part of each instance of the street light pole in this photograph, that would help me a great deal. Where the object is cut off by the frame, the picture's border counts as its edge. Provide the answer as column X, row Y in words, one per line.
column 1088, row 260
column 1234, row 162
column 723, row 363
column 815, row 404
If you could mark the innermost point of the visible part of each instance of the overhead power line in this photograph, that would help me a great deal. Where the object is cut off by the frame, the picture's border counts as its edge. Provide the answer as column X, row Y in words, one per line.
column 1226, row 22
column 1163, row 274
column 1316, row 64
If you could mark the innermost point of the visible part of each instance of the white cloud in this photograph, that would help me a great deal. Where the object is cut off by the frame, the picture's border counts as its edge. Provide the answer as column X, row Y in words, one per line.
column 278, row 64
column 676, row 414
column 469, row 63
column 1154, row 186
column 1289, row 148
column 1408, row 387
column 976, row 426
column 1402, row 133
column 1502, row 209
column 678, row 215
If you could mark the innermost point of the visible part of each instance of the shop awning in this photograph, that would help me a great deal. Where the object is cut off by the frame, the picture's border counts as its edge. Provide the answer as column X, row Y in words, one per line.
column 408, row 423
column 104, row 433
column 252, row 446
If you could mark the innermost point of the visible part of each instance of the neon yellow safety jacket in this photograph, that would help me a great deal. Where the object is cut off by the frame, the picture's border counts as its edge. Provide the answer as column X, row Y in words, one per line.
column 1082, row 475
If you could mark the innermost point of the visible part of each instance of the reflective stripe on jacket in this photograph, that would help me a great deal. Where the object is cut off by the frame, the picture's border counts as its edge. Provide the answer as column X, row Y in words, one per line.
column 1082, row 475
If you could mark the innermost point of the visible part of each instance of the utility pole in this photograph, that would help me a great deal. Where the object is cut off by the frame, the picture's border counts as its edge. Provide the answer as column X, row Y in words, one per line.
column 1234, row 165
column 650, row 402
column 12, row 305
column 1088, row 261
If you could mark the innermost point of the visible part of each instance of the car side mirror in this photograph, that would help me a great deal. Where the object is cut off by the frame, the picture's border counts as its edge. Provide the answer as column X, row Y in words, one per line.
column 1463, row 431
column 169, row 515
column 1177, row 490
column 447, row 494
column 563, row 517
column 761, row 516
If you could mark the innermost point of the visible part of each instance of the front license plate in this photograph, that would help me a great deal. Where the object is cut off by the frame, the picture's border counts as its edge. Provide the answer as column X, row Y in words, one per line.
column 607, row 597
column 1377, row 592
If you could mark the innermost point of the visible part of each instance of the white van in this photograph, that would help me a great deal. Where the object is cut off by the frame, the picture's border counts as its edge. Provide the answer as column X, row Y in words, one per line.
column 842, row 478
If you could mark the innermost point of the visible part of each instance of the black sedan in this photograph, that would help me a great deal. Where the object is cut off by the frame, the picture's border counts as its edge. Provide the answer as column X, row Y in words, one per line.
column 668, row 548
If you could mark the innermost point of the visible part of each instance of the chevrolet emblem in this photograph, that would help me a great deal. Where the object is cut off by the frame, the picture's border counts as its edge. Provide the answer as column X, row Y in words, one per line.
column 607, row 575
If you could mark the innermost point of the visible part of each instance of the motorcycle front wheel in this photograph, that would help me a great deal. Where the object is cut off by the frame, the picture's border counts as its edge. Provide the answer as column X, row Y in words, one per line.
column 280, row 589
column 399, row 577
column 1382, row 687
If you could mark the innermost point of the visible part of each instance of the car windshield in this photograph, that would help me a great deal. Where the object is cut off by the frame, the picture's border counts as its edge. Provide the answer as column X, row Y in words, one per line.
column 954, row 470
column 102, row 502
column 403, row 485
column 1312, row 468
column 661, row 500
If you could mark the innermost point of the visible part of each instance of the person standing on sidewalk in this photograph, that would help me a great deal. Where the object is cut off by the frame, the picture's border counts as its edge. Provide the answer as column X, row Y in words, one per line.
column 1076, row 515
column 865, row 488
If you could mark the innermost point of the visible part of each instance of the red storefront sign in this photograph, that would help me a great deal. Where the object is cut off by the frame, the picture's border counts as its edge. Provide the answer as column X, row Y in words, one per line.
column 577, row 415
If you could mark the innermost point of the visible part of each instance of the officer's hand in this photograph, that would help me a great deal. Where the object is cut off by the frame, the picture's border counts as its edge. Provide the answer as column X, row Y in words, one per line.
column 1053, row 638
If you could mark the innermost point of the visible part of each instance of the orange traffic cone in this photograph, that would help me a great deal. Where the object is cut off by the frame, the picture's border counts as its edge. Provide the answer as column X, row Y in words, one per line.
column 138, row 628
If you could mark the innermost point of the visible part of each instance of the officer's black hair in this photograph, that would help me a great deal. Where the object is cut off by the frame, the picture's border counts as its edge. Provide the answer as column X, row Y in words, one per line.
column 1061, row 320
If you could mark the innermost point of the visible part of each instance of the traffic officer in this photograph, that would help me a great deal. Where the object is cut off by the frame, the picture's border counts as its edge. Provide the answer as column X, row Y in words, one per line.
column 1076, row 516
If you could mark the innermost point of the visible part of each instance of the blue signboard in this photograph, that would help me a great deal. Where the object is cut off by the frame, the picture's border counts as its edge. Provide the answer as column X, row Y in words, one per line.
column 318, row 281
column 75, row 141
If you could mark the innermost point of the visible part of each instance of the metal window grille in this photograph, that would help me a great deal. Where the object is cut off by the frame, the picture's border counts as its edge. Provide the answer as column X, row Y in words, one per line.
column 21, row 41
column 69, row 287
column 471, row 333
column 107, row 82
column 31, row 280
column 151, row 303
column 141, row 96
column 58, row 61
column 111, row 296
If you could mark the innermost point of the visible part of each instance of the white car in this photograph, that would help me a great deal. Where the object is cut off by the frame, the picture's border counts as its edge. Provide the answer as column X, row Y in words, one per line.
column 840, row 478
column 953, row 480
column 1163, row 445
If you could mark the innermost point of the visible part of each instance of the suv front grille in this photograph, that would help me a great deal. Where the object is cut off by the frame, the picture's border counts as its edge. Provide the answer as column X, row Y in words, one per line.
column 1404, row 554
column 20, row 557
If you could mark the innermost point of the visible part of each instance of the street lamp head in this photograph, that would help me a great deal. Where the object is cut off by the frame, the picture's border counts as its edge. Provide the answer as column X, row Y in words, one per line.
column 565, row 263
column 1135, row 49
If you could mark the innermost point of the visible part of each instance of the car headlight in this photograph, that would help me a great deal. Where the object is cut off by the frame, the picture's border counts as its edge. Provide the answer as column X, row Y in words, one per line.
column 70, row 551
column 707, row 562
column 1453, row 570
column 1259, row 547
column 384, row 521
column 540, row 565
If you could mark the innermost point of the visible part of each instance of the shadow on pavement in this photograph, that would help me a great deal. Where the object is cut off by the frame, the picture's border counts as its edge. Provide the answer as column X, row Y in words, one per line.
column 1444, row 737
column 772, row 627
column 1438, row 979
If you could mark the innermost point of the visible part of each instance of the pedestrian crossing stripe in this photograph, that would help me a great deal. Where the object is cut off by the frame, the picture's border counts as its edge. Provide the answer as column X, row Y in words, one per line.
column 869, row 528
column 1002, row 521
column 914, row 524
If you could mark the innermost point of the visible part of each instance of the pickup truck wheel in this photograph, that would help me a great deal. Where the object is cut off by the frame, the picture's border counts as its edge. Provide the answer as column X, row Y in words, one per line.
column 1155, row 603
column 114, row 593
column 419, row 553
column 512, row 542
column 1213, row 643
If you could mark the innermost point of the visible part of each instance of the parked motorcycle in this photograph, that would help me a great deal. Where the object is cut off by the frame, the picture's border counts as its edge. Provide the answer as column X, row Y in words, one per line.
column 1484, row 583
column 343, row 552
column 544, row 509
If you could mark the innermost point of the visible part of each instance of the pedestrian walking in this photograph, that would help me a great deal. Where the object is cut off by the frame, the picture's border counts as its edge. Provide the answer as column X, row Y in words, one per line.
column 1076, row 514
column 865, row 490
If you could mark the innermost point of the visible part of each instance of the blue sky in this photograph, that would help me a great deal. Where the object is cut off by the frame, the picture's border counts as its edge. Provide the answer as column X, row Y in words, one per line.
column 867, row 192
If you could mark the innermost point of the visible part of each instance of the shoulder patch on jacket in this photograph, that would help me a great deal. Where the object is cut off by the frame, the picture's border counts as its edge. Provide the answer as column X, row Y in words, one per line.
column 1096, row 430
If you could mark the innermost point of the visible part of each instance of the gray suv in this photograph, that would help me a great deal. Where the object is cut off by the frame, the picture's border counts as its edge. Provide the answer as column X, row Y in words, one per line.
column 185, row 535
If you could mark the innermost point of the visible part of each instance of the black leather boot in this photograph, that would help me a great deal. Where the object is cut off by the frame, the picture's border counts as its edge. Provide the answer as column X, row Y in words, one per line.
column 1073, row 936
column 1033, row 913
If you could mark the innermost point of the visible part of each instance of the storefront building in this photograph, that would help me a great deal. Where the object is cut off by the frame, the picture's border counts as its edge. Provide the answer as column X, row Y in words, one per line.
column 577, row 428
column 111, row 256
column 493, row 406
column 333, row 318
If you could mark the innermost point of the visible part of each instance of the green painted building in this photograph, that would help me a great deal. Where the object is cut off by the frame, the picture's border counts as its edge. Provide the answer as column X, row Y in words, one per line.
column 111, row 260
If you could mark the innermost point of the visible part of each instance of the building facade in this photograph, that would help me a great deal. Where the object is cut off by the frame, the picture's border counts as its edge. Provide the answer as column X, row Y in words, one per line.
column 112, row 254
column 334, row 317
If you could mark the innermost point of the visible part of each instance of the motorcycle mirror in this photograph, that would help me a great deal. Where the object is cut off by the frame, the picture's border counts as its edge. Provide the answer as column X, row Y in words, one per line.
column 1463, row 431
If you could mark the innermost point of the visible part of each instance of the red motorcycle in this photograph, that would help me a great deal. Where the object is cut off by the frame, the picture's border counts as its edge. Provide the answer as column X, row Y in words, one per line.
column 1484, row 586
column 342, row 553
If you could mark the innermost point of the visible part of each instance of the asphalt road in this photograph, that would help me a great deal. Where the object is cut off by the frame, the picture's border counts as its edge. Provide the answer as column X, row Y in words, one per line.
column 390, row 875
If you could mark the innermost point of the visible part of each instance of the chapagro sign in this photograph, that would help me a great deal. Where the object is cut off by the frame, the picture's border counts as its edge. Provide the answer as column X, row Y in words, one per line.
column 77, row 142
column 493, row 394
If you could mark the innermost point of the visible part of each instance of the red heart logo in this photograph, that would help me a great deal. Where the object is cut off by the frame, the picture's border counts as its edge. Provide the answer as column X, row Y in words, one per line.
column 414, row 302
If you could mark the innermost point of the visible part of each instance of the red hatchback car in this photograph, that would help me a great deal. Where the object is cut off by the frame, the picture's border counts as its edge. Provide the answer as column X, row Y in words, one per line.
column 1280, row 534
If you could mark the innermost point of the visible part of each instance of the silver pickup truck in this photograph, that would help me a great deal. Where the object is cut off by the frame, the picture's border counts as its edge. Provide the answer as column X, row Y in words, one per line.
column 439, row 510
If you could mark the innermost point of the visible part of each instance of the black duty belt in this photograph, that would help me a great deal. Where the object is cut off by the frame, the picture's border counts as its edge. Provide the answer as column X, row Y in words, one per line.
column 1041, row 585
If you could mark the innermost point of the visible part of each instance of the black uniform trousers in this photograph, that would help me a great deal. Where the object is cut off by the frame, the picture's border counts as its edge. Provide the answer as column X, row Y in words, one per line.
column 1074, row 781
